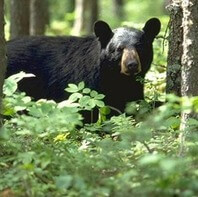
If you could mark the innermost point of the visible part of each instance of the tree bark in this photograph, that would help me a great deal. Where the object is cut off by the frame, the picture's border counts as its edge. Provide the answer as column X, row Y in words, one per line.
column 2, row 55
column 173, row 79
column 38, row 16
column 190, row 46
column 189, row 85
column 20, row 14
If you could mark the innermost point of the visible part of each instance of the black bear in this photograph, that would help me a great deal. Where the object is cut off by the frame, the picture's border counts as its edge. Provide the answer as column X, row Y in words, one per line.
column 110, row 62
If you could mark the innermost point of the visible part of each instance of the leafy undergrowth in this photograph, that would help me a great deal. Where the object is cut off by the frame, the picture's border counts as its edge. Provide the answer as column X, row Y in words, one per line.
column 46, row 150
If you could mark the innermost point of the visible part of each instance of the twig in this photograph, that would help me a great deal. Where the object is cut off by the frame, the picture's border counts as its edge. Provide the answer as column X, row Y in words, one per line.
column 147, row 147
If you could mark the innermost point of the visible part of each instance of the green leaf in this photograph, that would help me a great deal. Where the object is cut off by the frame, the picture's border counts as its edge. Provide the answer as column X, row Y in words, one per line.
column 99, row 103
column 168, row 165
column 26, row 99
column 45, row 161
column 105, row 110
column 86, row 91
column 99, row 96
column 19, row 76
column 72, row 88
column 9, row 87
column 26, row 157
column 92, row 103
column 19, row 108
column 81, row 85
column 35, row 111
column 8, row 111
column 75, row 96
column 64, row 182
column 84, row 101
column 150, row 159
column 93, row 93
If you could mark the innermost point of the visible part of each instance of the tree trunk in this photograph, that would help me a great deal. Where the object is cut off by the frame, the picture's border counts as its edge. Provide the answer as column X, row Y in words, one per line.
column 173, row 79
column 20, row 12
column 79, row 23
column 190, row 46
column 86, row 13
column 2, row 54
column 93, row 16
column 38, row 16
column 189, row 85
column 118, row 9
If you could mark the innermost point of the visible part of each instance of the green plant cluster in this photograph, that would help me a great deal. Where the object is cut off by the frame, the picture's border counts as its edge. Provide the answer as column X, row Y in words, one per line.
column 47, row 150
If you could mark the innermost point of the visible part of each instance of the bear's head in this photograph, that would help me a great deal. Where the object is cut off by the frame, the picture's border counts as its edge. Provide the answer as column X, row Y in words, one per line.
column 127, row 50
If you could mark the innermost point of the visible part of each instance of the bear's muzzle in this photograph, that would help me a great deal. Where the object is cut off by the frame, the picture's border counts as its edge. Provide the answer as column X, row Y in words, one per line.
column 130, row 62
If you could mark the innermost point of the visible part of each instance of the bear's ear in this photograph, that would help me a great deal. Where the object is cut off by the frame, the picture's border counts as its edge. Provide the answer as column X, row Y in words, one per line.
column 152, row 28
column 103, row 32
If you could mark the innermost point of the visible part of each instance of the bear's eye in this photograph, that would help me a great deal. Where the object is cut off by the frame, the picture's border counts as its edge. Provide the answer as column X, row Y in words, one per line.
column 139, row 45
column 120, row 48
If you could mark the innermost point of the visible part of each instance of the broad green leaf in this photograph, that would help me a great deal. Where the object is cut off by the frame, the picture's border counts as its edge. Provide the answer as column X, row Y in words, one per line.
column 81, row 85
column 9, row 87
column 105, row 110
column 75, row 96
column 72, row 88
column 64, row 182
column 86, row 91
column 99, row 103
column 93, row 93
column 19, row 76
column 99, row 96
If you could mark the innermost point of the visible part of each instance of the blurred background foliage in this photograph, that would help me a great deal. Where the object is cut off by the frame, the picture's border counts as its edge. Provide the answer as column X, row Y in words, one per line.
column 135, row 12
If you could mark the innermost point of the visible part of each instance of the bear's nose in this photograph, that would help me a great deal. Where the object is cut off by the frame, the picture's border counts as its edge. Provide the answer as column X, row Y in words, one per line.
column 133, row 66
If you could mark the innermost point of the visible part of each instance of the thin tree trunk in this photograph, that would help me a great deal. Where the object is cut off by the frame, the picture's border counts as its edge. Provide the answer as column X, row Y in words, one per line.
column 189, row 85
column 38, row 16
column 118, row 8
column 86, row 13
column 20, row 14
column 93, row 17
column 173, row 79
column 79, row 23
column 2, row 55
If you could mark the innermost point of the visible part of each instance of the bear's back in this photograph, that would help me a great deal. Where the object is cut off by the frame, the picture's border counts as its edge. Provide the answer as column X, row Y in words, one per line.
column 56, row 61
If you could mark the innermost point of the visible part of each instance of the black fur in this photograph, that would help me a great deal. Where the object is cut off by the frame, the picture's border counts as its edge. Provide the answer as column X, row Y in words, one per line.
column 57, row 61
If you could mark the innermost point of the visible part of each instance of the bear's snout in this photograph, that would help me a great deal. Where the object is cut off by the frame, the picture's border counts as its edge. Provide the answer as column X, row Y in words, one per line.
column 133, row 66
column 130, row 62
